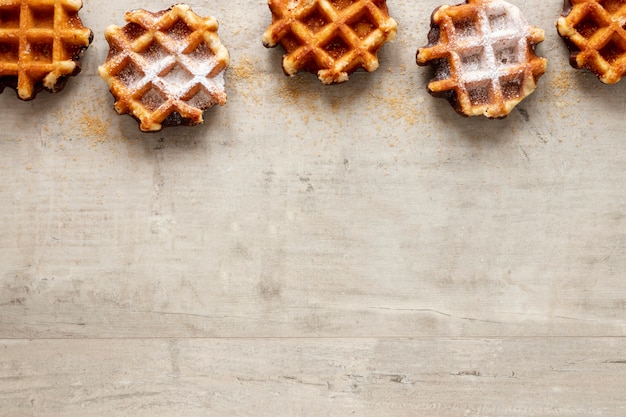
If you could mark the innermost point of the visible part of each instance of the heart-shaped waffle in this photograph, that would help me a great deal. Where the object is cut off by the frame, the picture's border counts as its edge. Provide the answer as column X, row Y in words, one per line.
column 330, row 38
column 165, row 68
column 483, row 55
column 595, row 33
column 40, row 44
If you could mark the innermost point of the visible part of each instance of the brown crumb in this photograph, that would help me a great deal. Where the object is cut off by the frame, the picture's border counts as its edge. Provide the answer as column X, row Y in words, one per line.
column 244, row 69
column 561, row 83
column 93, row 127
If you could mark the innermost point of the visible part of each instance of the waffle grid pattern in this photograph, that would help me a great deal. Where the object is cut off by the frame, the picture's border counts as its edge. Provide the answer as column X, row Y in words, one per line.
column 40, row 43
column 595, row 30
column 165, row 68
column 483, row 56
column 332, row 38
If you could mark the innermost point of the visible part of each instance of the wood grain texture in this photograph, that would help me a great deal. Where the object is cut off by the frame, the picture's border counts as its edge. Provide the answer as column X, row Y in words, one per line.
column 316, row 377
column 363, row 209
column 313, row 250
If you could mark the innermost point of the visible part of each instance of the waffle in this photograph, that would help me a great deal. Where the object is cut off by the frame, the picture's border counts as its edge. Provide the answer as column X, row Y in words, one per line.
column 165, row 68
column 330, row 38
column 41, row 42
column 482, row 52
column 594, row 32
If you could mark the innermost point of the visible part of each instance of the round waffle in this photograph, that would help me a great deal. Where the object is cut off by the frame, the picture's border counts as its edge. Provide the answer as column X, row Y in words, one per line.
column 330, row 38
column 41, row 42
column 165, row 68
column 595, row 34
column 482, row 52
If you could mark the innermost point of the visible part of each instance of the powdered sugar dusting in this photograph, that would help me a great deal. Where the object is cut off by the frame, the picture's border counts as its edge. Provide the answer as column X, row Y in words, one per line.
column 499, row 42
column 153, row 99
column 158, row 75
column 174, row 72
column 130, row 74
column 483, row 55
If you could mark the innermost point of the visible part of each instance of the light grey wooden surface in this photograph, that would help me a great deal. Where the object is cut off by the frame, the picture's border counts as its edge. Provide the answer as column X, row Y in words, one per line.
column 314, row 377
column 357, row 249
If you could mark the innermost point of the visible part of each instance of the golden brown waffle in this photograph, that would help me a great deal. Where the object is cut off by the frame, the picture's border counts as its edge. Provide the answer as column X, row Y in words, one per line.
column 595, row 33
column 482, row 52
column 40, row 44
column 165, row 68
column 330, row 38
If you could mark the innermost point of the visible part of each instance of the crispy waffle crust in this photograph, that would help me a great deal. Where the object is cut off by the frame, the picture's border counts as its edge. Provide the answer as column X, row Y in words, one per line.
column 330, row 38
column 594, row 31
column 165, row 68
column 482, row 53
column 41, row 42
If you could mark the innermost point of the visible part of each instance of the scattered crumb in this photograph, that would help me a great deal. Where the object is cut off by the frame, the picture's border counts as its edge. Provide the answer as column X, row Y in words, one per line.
column 93, row 127
column 244, row 69
column 561, row 83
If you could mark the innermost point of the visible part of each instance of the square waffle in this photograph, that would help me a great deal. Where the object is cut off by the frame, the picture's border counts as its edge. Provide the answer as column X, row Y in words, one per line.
column 594, row 31
column 165, row 68
column 482, row 52
column 40, row 44
column 330, row 38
